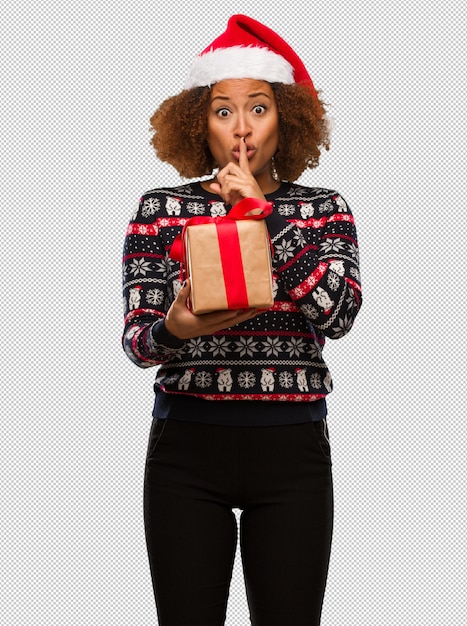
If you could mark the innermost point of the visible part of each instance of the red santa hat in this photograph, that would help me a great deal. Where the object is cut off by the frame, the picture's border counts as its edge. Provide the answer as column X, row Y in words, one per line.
column 248, row 49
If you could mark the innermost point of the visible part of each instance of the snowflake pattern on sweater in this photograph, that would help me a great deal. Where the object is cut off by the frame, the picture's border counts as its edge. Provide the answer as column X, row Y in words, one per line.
column 278, row 354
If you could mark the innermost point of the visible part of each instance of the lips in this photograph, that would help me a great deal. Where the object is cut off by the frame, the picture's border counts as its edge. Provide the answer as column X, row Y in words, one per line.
column 250, row 150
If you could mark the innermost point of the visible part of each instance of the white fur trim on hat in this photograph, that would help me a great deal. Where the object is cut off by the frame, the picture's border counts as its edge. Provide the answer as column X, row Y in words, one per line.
column 239, row 62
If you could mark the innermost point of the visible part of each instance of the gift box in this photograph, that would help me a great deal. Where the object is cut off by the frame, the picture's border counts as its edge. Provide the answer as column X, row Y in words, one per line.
column 228, row 259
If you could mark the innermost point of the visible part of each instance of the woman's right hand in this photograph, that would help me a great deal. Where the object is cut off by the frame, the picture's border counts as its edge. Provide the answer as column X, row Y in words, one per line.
column 183, row 324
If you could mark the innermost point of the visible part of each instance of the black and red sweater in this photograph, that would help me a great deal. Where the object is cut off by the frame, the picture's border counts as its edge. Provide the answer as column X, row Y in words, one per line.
column 277, row 355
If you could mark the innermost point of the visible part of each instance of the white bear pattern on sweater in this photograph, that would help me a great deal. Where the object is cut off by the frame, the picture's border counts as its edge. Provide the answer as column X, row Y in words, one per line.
column 278, row 354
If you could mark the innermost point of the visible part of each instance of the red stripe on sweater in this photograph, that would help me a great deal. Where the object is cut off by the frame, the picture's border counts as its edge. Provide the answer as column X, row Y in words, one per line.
column 135, row 255
column 353, row 284
column 309, row 283
column 141, row 313
column 297, row 257
column 322, row 221
column 153, row 229
column 284, row 397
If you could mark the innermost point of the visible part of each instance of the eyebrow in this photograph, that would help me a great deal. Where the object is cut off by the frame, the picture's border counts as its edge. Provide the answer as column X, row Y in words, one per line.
column 252, row 95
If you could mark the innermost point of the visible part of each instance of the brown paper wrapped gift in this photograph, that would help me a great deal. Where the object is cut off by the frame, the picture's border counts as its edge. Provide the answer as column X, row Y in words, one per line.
column 228, row 259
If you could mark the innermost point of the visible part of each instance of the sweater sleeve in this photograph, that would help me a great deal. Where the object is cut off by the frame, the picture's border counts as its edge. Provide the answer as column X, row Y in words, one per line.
column 149, row 281
column 316, row 260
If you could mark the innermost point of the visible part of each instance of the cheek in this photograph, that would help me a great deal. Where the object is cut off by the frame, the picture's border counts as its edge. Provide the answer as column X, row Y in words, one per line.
column 274, row 140
column 212, row 143
column 274, row 134
column 214, row 138
column 214, row 148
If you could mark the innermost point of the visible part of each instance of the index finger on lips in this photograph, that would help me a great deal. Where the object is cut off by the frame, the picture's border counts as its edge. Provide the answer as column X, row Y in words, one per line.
column 243, row 157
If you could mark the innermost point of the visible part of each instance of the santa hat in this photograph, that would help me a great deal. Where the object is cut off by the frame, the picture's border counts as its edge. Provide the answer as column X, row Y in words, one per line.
column 248, row 49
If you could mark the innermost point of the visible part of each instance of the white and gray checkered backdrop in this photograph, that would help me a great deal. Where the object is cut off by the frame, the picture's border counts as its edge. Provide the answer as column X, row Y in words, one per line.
column 79, row 82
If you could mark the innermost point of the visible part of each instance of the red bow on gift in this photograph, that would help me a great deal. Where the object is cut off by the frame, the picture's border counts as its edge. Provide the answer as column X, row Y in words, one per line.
column 230, row 251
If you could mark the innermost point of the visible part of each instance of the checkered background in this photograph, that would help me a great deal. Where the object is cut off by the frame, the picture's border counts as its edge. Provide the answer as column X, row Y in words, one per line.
column 79, row 81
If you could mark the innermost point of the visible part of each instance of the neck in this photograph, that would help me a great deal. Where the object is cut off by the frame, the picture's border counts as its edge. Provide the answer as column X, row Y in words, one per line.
column 269, row 186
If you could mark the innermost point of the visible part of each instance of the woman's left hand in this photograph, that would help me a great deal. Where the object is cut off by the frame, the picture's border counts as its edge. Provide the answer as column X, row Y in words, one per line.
column 235, row 181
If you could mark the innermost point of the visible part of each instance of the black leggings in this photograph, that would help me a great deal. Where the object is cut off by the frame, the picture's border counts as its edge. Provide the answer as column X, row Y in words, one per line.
column 280, row 477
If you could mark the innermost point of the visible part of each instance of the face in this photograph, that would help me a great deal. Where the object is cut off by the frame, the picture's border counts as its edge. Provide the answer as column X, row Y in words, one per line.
column 244, row 108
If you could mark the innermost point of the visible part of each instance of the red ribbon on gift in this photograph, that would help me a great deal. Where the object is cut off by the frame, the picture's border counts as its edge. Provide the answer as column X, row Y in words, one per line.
column 230, row 251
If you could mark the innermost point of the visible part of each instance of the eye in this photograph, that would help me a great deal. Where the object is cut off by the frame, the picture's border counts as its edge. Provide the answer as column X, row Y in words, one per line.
column 223, row 112
column 259, row 109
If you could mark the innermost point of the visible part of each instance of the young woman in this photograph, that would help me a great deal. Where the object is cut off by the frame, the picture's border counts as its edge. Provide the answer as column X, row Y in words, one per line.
column 239, row 418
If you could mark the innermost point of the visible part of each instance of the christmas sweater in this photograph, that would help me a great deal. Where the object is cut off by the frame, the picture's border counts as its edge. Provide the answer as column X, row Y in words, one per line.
column 276, row 355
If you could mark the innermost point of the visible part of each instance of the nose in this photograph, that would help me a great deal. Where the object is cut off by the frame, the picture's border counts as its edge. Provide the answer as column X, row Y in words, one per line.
column 242, row 129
